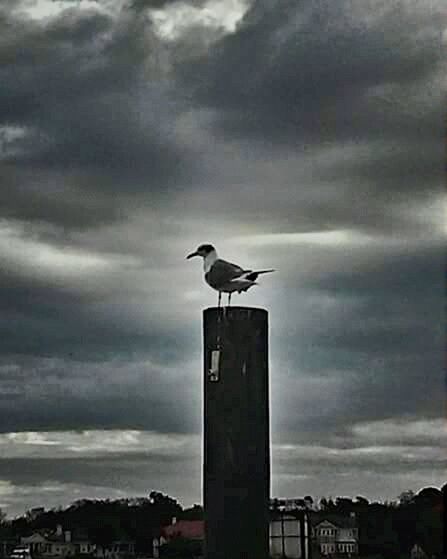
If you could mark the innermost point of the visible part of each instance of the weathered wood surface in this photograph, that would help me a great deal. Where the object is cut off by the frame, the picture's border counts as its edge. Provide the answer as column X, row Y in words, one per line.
column 236, row 435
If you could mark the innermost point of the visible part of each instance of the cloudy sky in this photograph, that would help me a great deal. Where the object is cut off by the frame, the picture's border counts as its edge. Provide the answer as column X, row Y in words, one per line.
column 304, row 135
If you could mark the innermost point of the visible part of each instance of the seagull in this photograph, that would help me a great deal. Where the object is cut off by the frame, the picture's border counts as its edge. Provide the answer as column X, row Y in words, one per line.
column 224, row 276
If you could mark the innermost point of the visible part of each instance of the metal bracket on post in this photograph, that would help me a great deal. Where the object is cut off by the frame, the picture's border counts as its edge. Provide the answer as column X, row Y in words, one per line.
column 213, row 372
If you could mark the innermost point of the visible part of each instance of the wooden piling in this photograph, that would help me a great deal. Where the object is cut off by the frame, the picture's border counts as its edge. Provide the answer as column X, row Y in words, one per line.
column 236, row 471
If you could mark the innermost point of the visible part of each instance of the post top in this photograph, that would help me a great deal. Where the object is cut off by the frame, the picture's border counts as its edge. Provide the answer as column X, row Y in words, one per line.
column 236, row 311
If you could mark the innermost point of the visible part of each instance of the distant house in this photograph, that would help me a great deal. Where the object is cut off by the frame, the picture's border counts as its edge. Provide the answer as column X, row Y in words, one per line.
column 37, row 543
column 50, row 544
column 289, row 534
column 289, row 505
column 334, row 535
column 188, row 529
column 60, row 544
column 116, row 550
column 417, row 552
column 7, row 546
column 191, row 530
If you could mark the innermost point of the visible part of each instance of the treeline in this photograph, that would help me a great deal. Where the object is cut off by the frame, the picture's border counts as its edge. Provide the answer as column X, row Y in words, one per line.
column 104, row 521
column 388, row 529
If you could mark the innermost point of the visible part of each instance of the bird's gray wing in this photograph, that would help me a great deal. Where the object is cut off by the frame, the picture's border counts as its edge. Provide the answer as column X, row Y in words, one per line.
column 222, row 272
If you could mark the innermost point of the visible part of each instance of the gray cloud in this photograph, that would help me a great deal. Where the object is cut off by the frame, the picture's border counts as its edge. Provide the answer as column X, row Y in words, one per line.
column 320, row 71
column 307, row 139
column 307, row 79
column 86, row 95
column 127, row 393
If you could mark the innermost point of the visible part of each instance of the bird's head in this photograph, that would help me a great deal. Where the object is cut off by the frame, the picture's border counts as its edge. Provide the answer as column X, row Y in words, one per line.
column 203, row 251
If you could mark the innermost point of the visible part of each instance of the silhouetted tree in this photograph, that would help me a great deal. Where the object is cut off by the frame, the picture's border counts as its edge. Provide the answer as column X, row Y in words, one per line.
column 406, row 497
column 343, row 505
column 193, row 513
column 323, row 503
column 362, row 501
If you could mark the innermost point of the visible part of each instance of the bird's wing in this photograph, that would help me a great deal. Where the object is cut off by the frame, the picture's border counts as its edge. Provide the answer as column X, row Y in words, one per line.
column 222, row 272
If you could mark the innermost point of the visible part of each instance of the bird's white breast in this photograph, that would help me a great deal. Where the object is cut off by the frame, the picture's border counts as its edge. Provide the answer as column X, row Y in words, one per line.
column 209, row 260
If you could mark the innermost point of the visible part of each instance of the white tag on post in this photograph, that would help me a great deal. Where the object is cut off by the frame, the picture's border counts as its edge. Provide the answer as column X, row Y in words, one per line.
column 213, row 373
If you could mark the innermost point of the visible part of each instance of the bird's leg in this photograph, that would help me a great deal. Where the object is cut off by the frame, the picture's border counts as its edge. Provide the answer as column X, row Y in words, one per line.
column 218, row 320
column 229, row 299
column 224, row 312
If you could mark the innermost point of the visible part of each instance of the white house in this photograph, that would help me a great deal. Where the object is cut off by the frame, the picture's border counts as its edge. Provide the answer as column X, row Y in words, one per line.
column 116, row 550
column 417, row 552
column 335, row 535
column 60, row 544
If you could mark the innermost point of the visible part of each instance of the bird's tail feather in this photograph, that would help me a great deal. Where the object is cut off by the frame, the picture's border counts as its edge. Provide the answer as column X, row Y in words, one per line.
column 253, row 276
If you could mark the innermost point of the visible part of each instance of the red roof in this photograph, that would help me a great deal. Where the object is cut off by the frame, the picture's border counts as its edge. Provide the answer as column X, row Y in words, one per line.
column 189, row 529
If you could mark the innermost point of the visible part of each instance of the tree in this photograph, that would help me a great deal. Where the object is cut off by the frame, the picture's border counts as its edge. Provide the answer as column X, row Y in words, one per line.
column 308, row 501
column 323, row 503
column 429, row 496
column 327, row 505
column 193, row 513
column 344, row 505
column 2, row 516
column 361, row 501
column 406, row 497
column 164, row 506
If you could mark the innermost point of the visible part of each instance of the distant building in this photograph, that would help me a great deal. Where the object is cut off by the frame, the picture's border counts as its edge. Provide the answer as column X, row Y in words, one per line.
column 289, row 505
column 116, row 550
column 7, row 546
column 334, row 535
column 20, row 552
column 289, row 534
column 191, row 530
column 417, row 552
column 292, row 504
column 188, row 529
column 62, row 543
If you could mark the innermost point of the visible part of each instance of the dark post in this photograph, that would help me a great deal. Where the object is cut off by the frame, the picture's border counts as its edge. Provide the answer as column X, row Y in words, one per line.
column 236, row 434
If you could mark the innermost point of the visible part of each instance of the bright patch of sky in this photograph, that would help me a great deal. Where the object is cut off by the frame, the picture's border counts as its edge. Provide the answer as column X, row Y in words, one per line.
column 43, row 9
column 46, row 444
column 37, row 257
column 177, row 18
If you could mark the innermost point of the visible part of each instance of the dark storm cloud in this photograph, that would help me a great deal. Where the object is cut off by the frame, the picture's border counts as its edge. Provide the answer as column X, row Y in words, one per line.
column 95, row 329
column 319, row 71
column 91, row 471
column 158, row 4
column 65, row 480
column 123, row 474
column 316, row 119
column 370, row 345
column 75, row 353
column 54, row 394
column 82, row 88
column 36, row 195
column 305, row 78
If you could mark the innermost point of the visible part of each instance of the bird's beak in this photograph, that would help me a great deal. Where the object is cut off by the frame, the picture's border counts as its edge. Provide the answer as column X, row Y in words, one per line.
column 192, row 255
